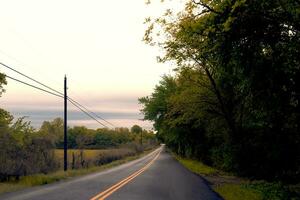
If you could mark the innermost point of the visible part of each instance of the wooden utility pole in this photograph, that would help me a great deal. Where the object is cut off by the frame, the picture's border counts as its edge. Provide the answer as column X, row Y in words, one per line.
column 65, row 126
column 141, row 138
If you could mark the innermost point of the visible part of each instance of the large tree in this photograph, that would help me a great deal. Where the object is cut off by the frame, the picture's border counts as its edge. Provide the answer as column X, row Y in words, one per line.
column 249, row 52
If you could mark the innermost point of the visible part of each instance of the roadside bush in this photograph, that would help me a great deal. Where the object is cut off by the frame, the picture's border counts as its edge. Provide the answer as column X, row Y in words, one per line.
column 79, row 160
column 274, row 191
column 34, row 157
column 22, row 151
column 134, row 146
column 112, row 155
column 83, row 158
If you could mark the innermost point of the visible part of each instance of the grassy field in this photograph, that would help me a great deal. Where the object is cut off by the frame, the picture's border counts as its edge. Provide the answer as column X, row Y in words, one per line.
column 42, row 179
column 89, row 154
column 87, row 158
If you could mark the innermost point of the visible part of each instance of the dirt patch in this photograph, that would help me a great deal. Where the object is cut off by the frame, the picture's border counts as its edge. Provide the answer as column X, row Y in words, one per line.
column 217, row 180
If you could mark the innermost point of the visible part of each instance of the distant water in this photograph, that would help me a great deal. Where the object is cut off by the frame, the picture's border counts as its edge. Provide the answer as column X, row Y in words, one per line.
column 77, row 118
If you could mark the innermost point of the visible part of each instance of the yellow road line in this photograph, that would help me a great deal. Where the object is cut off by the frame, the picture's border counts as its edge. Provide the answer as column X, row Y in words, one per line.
column 124, row 183
column 114, row 186
column 112, row 189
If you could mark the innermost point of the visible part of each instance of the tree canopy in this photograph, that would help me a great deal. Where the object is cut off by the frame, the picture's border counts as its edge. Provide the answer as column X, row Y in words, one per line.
column 234, row 101
column 2, row 82
column 136, row 129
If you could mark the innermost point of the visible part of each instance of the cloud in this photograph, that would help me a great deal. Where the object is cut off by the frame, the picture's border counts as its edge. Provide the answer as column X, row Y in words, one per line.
column 77, row 118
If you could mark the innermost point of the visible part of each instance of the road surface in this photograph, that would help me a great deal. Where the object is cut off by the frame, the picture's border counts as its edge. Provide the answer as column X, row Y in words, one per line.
column 156, row 176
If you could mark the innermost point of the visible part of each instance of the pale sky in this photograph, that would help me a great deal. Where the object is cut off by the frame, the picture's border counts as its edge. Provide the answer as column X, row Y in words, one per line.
column 97, row 43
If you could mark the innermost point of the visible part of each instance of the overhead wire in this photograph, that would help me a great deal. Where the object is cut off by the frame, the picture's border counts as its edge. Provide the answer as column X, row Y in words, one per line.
column 33, row 86
column 70, row 99
column 30, row 78
column 61, row 95
column 87, row 113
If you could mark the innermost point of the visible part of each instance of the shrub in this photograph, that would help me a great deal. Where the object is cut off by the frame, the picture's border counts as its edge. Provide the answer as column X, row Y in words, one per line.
column 23, row 152
column 112, row 155
column 274, row 191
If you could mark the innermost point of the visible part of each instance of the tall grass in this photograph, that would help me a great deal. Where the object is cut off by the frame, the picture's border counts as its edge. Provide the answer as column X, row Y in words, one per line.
column 109, row 158
column 87, row 155
column 86, row 158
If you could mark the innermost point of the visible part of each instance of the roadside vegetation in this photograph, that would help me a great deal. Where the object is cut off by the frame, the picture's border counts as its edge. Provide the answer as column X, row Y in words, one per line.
column 231, row 187
column 233, row 100
column 42, row 179
column 30, row 157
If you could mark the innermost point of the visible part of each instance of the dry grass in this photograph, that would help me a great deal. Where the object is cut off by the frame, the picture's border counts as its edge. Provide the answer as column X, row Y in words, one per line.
column 42, row 179
column 87, row 158
column 89, row 154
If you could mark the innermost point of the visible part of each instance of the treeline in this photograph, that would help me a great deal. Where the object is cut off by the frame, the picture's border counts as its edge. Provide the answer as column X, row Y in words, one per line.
column 234, row 100
column 80, row 137
column 25, row 151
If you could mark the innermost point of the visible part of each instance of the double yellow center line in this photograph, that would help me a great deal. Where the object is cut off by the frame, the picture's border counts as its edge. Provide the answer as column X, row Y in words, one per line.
column 112, row 189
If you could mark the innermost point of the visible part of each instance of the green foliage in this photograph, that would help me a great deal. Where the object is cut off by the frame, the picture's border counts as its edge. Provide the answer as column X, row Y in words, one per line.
column 41, row 179
column 23, row 151
column 53, row 130
column 237, row 192
column 136, row 129
column 234, row 101
column 197, row 167
column 2, row 82
column 274, row 191
column 80, row 137
column 5, row 120
column 240, row 190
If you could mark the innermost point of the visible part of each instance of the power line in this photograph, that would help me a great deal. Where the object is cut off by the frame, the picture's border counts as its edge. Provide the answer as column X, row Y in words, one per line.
column 70, row 99
column 33, row 86
column 58, row 95
column 87, row 113
column 104, row 119
column 30, row 78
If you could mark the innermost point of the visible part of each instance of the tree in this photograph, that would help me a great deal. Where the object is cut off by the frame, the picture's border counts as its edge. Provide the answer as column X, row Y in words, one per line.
column 53, row 130
column 155, row 106
column 2, row 82
column 5, row 119
column 22, row 150
column 252, row 70
column 136, row 129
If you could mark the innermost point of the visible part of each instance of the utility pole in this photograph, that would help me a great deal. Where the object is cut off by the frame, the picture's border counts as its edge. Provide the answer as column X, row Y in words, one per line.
column 142, row 138
column 65, row 126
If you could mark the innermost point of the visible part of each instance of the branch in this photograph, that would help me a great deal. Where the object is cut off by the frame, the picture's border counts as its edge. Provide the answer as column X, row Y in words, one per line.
column 227, row 114
column 208, row 8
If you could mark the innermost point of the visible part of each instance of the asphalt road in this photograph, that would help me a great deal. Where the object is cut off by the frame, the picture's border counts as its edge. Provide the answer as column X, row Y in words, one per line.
column 156, row 176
